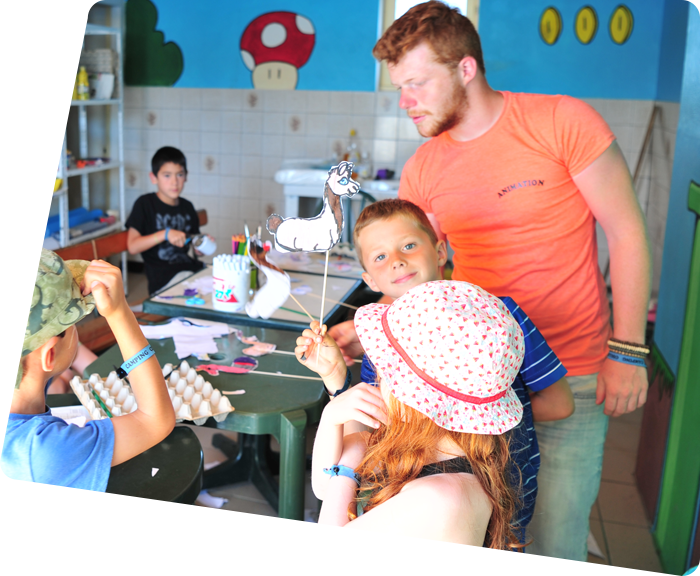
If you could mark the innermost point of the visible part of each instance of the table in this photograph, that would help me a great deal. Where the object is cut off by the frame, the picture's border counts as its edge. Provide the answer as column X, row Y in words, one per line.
column 315, row 263
column 277, row 405
column 289, row 317
column 179, row 460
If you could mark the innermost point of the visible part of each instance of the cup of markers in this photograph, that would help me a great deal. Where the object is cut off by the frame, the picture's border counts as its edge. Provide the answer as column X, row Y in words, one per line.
column 231, row 277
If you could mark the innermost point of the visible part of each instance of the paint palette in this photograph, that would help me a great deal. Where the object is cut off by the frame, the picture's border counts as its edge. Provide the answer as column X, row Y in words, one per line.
column 193, row 398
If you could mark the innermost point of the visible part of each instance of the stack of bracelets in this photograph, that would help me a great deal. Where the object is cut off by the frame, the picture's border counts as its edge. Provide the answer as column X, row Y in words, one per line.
column 628, row 352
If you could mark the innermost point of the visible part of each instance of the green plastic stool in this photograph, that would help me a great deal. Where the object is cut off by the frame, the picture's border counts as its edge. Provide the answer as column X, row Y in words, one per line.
column 245, row 556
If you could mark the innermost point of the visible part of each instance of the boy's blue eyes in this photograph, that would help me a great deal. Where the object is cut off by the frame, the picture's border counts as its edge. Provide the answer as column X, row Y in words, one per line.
column 408, row 246
column 343, row 181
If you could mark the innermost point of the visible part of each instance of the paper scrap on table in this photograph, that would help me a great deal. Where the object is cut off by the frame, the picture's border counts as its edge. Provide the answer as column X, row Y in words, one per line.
column 260, row 349
column 341, row 266
column 203, row 285
column 210, row 465
column 154, row 471
column 77, row 415
column 248, row 339
column 233, row 392
column 206, row 499
column 301, row 290
column 593, row 547
column 191, row 337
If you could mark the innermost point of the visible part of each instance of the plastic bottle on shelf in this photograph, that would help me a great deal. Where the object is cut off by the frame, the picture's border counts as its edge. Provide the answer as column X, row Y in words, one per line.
column 29, row 83
column 71, row 83
column 364, row 168
column 43, row 85
column 352, row 152
column 83, row 85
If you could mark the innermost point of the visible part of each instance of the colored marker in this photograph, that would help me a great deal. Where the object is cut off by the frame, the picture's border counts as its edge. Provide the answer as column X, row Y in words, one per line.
column 104, row 407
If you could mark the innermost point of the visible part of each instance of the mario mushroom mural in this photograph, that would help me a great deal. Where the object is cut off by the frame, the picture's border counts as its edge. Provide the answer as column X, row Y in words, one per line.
column 274, row 46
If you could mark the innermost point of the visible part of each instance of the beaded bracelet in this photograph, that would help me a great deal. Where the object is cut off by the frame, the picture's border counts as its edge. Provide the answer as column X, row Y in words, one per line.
column 629, row 346
column 339, row 470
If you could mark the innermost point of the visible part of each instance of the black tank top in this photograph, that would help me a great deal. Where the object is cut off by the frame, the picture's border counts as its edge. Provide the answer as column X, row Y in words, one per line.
column 412, row 567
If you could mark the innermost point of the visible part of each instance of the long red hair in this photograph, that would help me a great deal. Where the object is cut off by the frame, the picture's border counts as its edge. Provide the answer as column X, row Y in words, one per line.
column 397, row 452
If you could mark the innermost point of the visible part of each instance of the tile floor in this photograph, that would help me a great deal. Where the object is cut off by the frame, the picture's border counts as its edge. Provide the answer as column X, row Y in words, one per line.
column 618, row 520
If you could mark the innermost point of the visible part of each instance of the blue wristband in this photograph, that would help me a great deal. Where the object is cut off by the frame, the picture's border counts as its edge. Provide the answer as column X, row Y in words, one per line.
column 339, row 470
column 627, row 359
column 134, row 361
column 166, row 233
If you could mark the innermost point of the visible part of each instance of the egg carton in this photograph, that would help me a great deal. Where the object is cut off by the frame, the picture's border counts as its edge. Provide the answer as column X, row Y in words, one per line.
column 193, row 398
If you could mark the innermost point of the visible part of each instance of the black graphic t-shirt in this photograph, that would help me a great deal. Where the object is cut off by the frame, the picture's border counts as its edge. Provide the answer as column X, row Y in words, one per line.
column 164, row 260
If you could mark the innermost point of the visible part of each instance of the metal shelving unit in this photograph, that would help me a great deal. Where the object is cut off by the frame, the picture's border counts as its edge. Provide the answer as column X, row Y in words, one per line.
column 56, row 109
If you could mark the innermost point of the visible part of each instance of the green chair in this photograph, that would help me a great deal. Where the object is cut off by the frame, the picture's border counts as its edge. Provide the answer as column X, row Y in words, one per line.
column 245, row 556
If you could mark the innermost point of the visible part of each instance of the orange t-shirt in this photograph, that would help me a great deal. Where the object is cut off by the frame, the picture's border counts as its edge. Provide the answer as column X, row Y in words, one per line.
column 516, row 221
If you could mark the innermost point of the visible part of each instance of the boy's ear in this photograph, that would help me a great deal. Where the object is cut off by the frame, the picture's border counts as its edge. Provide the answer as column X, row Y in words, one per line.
column 47, row 354
column 441, row 248
column 153, row 178
column 368, row 280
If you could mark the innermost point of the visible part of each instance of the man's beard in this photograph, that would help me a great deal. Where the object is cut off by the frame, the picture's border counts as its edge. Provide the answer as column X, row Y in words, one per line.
column 455, row 108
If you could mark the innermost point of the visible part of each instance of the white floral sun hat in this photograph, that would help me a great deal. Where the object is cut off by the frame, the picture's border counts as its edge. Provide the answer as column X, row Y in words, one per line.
column 450, row 350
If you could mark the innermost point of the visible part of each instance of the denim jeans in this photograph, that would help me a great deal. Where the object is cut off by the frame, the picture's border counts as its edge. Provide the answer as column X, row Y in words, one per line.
column 571, row 452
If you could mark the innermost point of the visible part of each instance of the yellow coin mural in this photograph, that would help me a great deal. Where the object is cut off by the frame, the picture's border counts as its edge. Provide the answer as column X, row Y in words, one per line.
column 586, row 24
column 550, row 25
column 621, row 23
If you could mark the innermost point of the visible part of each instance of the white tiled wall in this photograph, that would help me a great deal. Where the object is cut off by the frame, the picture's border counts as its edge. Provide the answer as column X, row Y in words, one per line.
column 235, row 140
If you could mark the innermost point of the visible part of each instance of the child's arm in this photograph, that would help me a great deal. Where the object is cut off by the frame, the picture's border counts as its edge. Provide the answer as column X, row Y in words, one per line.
column 136, row 243
column 154, row 419
column 553, row 403
column 328, row 364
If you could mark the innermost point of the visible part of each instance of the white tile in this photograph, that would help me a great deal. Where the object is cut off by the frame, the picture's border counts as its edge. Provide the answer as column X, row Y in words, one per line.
column 230, row 165
column 212, row 98
column 171, row 98
column 364, row 126
column 250, row 187
column 132, row 180
column 273, row 100
column 316, row 147
column 170, row 119
column 339, row 125
column 384, row 152
column 407, row 130
column 151, row 119
column 191, row 120
column 269, row 165
column 229, row 186
column 273, row 123
column 251, row 144
column 209, row 188
column 317, row 124
column 151, row 97
column 250, row 209
column 340, row 103
column 386, row 127
column 252, row 123
column 250, row 166
column 191, row 99
column 133, row 97
column 192, row 187
column 252, row 101
column 295, row 101
column 232, row 99
column 229, row 206
column 272, row 145
column 191, row 141
column 230, row 143
column 211, row 142
column 153, row 140
column 363, row 103
column 294, row 147
column 133, row 118
column 133, row 158
column 194, row 162
column 295, row 124
column 405, row 150
column 211, row 120
column 336, row 147
column 387, row 103
column 317, row 101
column 170, row 138
column 231, row 121
column 209, row 164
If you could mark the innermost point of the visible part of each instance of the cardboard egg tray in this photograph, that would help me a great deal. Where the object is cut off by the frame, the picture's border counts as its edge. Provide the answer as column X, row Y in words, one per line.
column 193, row 398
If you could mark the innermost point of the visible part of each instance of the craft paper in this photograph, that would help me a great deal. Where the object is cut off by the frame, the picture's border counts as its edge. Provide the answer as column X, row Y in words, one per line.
column 301, row 290
column 275, row 292
column 260, row 349
column 322, row 232
column 241, row 365
column 190, row 337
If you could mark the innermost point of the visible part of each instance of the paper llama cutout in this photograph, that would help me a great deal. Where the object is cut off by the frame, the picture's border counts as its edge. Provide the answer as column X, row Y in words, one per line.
column 276, row 289
column 321, row 232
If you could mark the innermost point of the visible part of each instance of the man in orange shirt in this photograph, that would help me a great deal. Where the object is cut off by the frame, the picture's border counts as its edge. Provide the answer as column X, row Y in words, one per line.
column 516, row 183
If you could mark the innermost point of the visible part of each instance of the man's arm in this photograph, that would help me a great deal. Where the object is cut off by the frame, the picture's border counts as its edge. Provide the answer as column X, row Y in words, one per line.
column 607, row 188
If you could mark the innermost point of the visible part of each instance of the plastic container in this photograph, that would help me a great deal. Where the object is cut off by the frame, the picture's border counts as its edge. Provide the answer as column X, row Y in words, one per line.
column 83, row 89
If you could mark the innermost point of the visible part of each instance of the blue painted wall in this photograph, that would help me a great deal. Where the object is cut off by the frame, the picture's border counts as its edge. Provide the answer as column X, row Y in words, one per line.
column 208, row 32
column 648, row 66
column 678, row 242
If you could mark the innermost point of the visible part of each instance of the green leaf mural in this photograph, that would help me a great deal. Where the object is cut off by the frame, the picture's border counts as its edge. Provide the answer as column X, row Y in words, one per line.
column 148, row 60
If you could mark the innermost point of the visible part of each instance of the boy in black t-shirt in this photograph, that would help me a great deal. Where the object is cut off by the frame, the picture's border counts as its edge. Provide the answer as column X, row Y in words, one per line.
column 161, row 221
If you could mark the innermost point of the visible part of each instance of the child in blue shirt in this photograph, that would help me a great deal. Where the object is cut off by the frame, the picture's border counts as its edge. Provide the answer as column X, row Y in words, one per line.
column 42, row 448
column 398, row 249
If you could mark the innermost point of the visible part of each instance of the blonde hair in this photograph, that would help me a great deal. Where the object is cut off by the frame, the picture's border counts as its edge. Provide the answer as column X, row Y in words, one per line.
column 11, row 211
column 397, row 453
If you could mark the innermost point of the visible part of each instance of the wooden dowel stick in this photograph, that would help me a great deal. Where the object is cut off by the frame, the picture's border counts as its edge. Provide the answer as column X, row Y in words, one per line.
column 323, row 303
column 300, row 306
column 334, row 301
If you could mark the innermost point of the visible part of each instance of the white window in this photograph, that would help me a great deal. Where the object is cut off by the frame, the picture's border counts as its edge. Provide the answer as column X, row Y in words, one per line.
column 394, row 9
